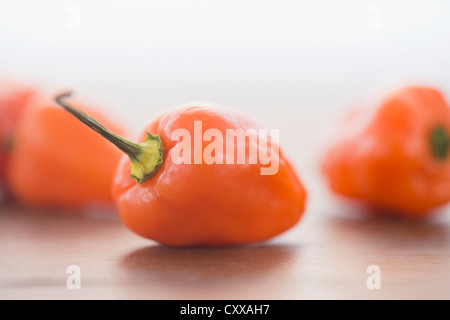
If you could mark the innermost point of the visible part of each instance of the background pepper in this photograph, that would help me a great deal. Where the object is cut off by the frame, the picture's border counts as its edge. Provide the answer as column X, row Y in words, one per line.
column 199, row 204
column 395, row 154
column 58, row 162
column 13, row 100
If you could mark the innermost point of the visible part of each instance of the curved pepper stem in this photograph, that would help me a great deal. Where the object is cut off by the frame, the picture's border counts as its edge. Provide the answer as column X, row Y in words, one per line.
column 146, row 157
column 440, row 142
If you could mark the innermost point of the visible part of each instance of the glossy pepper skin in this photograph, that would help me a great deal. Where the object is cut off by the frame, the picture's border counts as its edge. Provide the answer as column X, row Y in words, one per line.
column 13, row 100
column 206, row 204
column 58, row 162
column 395, row 155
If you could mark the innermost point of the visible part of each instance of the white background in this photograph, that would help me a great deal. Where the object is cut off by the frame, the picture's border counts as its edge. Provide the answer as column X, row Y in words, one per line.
column 294, row 64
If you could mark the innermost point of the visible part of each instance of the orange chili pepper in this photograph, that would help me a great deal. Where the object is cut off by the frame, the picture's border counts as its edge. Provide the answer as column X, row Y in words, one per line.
column 184, row 204
column 58, row 162
column 13, row 99
column 396, row 155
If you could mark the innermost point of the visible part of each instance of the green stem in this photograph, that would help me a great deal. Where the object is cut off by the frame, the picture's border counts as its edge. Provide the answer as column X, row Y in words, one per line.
column 146, row 157
column 440, row 142
column 7, row 144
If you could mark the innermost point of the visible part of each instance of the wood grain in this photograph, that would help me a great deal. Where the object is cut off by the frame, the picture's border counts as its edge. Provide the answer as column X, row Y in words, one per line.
column 324, row 257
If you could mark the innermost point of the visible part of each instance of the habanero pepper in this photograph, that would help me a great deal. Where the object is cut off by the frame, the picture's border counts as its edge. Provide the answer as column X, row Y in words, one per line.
column 58, row 162
column 13, row 100
column 395, row 154
column 182, row 204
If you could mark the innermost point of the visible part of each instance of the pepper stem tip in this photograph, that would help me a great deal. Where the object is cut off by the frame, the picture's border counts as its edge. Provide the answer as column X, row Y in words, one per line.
column 146, row 157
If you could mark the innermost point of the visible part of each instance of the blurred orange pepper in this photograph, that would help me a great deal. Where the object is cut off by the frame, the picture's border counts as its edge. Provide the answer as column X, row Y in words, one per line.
column 396, row 155
column 57, row 161
column 198, row 204
column 13, row 99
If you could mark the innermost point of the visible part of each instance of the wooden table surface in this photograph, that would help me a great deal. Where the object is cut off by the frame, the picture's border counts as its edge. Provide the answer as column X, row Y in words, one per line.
column 326, row 256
